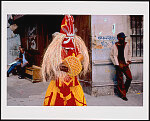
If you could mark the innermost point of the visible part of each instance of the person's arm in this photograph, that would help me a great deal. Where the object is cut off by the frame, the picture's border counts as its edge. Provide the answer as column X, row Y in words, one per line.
column 129, row 55
column 113, row 58
column 23, row 65
column 27, row 57
column 80, row 57
column 18, row 59
column 63, row 66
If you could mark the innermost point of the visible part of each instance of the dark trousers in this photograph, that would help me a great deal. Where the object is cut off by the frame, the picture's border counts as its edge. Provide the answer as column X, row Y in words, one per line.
column 123, row 87
column 22, row 71
column 17, row 64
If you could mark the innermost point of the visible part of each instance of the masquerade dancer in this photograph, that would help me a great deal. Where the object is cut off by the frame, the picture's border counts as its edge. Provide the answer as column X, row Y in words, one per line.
column 65, row 58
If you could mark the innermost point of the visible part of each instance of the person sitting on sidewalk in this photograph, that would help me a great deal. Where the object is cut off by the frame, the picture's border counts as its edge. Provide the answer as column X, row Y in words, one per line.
column 17, row 64
column 24, row 62
column 121, row 58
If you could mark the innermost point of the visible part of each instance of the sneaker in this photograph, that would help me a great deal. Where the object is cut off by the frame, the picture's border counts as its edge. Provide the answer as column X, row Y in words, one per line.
column 7, row 74
column 20, row 77
column 124, row 98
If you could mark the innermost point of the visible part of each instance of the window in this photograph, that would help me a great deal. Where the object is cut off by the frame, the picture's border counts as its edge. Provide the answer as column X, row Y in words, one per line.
column 137, row 35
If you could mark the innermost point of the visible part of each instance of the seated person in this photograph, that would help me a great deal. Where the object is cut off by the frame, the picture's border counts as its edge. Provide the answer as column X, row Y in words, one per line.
column 24, row 62
column 17, row 64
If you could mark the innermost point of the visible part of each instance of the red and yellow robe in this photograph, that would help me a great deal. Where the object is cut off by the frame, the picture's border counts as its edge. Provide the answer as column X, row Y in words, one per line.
column 68, row 93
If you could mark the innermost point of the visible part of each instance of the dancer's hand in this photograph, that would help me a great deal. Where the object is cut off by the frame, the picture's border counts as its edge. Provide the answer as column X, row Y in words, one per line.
column 117, row 67
column 128, row 62
column 80, row 56
column 18, row 58
column 63, row 67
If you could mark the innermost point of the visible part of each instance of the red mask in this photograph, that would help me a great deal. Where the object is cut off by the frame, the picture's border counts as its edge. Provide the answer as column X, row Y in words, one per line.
column 67, row 27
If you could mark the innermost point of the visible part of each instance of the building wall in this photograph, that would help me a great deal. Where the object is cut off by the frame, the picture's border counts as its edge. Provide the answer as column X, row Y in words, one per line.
column 13, row 42
column 82, row 24
column 104, row 30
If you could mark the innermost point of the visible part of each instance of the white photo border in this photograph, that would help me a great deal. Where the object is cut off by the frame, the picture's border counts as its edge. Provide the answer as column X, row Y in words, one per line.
column 75, row 8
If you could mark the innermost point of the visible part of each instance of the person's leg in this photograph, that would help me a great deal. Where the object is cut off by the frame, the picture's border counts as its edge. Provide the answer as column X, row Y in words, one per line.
column 12, row 67
column 120, row 83
column 18, row 69
column 22, row 71
column 128, row 75
column 21, row 74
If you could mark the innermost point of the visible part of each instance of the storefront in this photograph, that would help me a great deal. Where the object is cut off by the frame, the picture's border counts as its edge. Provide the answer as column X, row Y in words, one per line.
column 36, row 33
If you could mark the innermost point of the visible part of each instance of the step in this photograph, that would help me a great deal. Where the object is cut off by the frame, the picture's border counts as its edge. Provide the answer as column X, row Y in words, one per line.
column 108, row 88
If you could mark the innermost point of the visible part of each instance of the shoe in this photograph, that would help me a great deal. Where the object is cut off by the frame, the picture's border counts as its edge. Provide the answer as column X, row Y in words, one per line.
column 20, row 77
column 14, row 72
column 7, row 74
column 124, row 98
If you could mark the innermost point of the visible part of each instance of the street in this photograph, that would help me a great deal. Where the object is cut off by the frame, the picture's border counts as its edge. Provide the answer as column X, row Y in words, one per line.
column 22, row 92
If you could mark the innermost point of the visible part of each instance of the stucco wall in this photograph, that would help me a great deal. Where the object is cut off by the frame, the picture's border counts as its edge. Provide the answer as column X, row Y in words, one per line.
column 104, row 31
column 13, row 42
column 104, row 74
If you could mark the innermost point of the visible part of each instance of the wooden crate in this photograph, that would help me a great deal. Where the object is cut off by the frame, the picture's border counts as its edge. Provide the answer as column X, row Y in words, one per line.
column 33, row 73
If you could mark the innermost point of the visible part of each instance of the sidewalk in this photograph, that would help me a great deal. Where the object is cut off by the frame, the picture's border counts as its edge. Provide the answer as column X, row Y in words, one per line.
column 22, row 92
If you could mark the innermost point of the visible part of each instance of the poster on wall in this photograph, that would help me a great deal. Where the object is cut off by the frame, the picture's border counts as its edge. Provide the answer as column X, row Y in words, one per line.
column 32, row 42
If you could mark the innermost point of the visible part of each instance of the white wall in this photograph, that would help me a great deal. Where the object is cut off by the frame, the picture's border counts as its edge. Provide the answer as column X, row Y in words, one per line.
column 103, row 71
column 102, row 25
column 13, row 42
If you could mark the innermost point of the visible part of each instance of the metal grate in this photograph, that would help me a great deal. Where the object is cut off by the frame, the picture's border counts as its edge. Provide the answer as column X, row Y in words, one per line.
column 137, row 35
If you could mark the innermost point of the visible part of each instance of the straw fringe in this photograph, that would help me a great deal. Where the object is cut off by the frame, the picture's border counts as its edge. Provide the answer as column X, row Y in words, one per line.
column 52, row 58
column 83, row 50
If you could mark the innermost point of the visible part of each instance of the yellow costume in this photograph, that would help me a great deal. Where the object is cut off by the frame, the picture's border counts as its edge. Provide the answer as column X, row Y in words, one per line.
column 65, row 89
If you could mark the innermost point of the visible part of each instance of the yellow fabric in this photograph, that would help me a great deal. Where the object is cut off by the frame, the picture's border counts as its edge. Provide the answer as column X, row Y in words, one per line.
column 64, row 24
column 51, row 88
column 78, row 98
column 76, row 90
column 78, row 94
column 74, row 65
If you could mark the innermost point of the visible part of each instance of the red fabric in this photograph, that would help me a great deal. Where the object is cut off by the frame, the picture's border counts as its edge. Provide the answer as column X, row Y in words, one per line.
column 67, row 27
column 65, row 54
column 50, row 97
column 71, row 101
column 68, row 49
column 70, row 84
column 59, row 101
column 120, row 83
column 69, row 52
column 65, row 90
